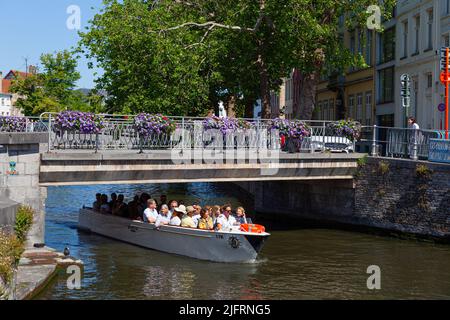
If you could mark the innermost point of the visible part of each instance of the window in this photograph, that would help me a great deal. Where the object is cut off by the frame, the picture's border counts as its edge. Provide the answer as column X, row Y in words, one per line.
column 386, row 85
column 405, row 38
column 331, row 109
column 325, row 110
column 369, row 40
column 368, row 107
column 359, row 107
column 446, row 40
column 430, row 29
column 351, row 106
column 387, row 45
column 417, row 34
column 429, row 80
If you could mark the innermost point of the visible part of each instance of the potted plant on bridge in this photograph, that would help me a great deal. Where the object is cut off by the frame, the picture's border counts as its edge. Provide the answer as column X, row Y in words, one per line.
column 153, row 131
column 78, row 129
column 13, row 124
column 292, row 133
column 349, row 129
column 232, row 130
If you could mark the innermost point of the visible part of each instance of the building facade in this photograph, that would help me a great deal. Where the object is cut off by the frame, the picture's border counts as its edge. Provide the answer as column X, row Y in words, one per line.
column 423, row 27
column 8, row 99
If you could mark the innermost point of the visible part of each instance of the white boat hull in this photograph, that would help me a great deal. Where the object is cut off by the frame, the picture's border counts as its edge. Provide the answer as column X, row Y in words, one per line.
column 219, row 246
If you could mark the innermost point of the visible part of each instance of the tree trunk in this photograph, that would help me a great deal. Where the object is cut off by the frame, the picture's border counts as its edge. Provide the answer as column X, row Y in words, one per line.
column 307, row 97
column 264, row 88
column 231, row 111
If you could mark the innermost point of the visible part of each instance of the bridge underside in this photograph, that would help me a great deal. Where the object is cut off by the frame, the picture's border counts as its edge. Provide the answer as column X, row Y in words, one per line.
column 80, row 168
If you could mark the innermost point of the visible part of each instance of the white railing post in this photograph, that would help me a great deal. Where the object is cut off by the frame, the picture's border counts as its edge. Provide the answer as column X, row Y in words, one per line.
column 323, row 136
column 374, row 141
column 49, row 131
column 414, row 155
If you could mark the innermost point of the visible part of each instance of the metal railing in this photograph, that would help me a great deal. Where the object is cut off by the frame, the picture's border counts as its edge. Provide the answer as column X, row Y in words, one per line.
column 396, row 142
column 24, row 124
column 119, row 132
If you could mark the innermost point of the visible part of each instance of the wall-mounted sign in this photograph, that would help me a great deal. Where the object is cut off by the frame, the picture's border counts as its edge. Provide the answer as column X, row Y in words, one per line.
column 439, row 150
column 441, row 107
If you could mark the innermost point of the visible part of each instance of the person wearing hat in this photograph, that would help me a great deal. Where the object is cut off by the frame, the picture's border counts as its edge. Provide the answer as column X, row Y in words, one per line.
column 177, row 214
column 187, row 220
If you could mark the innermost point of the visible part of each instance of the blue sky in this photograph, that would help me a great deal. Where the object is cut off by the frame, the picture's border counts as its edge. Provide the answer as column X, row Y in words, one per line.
column 32, row 27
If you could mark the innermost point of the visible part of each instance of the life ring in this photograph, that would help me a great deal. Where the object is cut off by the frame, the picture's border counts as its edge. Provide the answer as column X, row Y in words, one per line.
column 254, row 228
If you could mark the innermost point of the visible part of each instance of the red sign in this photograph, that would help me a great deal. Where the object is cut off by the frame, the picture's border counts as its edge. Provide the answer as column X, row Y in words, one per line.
column 444, row 77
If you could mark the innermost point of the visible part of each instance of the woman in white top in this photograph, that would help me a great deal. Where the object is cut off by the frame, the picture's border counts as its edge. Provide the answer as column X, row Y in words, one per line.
column 175, row 221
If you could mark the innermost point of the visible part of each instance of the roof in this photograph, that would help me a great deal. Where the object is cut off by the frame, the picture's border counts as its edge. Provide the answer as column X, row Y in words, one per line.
column 11, row 75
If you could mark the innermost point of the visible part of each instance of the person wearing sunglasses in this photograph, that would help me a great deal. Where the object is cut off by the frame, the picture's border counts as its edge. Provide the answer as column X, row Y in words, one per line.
column 225, row 221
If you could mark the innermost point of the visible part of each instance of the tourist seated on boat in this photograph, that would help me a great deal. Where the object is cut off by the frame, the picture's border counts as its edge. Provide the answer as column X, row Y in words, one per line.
column 225, row 221
column 187, row 221
column 143, row 202
column 172, row 205
column 150, row 214
column 132, row 208
column 215, row 213
column 97, row 203
column 163, row 217
column 105, row 208
column 113, row 200
column 120, row 207
column 240, row 215
column 196, row 216
column 162, row 201
column 205, row 222
column 176, row 217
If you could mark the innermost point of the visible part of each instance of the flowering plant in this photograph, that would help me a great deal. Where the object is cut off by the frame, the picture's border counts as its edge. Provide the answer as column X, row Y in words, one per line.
column 13, row 124
column 293, row 129
column 148, row 124
column 85, row 122
column 226, row 125
column 346, row 128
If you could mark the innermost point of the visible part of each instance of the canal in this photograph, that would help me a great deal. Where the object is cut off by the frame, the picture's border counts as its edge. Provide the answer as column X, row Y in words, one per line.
column 298, row 262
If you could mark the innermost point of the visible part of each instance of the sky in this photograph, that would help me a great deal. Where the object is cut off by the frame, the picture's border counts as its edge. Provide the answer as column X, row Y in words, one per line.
column 29, row 28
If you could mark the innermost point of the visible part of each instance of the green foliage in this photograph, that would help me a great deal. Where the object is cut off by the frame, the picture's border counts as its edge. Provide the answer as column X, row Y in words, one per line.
column 11, row 248
column 383, row 167
column 182, row 57
column 51, row 89
column 362, row 161
column 24, row 220
column 422, row 171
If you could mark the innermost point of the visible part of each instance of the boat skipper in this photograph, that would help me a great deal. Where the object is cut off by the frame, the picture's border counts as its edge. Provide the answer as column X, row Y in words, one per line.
column 225, row 221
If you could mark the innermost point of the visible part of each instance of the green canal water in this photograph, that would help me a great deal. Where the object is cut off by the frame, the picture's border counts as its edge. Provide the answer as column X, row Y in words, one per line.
column 298, row 262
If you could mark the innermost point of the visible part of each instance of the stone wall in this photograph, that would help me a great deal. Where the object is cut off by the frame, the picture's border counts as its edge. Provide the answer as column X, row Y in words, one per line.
column 19, row 176
column 391, row 194
column 404, row 195
column 8, row 209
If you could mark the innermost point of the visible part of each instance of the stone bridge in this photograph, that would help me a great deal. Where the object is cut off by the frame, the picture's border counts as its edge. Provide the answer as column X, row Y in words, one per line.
column 27, row 169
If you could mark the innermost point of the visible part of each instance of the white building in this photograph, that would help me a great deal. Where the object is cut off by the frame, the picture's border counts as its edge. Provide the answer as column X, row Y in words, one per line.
column 422, row 28
column 5, row 104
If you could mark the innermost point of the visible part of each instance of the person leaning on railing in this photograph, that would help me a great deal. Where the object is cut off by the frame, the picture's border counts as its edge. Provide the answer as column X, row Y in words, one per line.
column 412, row 124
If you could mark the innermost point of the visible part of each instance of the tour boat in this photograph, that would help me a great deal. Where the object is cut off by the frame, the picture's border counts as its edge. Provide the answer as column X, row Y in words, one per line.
column 219, row 246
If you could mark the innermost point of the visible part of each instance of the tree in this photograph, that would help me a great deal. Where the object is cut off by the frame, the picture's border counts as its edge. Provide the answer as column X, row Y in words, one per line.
column 182, row 56
column 52, row 89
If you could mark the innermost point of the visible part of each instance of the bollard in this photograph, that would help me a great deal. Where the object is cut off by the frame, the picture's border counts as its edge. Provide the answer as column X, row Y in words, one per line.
column 374, row 141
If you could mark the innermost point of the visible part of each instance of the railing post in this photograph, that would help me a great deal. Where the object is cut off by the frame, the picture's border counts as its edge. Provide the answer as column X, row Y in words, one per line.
column 323, row 136
column 374, row 141
column 49, row 131
column 414, row 155
column 96, row 142
column 182, row 134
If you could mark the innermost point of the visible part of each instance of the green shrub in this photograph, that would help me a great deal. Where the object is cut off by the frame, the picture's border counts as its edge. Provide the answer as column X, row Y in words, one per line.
column 11, row 248
column 24, row 220
column 383, row 167
column 422, row 171
column 362, row 161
